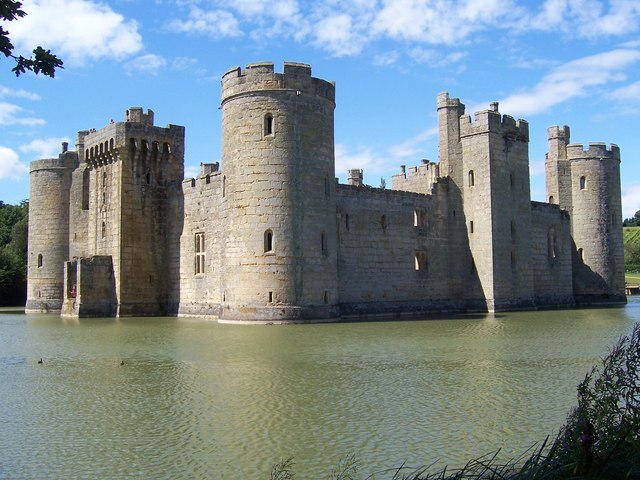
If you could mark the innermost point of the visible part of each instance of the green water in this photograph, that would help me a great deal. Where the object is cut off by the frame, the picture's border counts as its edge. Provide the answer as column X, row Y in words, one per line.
column 195, row 399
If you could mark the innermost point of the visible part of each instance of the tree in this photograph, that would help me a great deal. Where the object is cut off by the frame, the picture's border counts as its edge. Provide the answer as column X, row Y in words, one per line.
column 13, row 253
column 633, row 221
column 42, row 61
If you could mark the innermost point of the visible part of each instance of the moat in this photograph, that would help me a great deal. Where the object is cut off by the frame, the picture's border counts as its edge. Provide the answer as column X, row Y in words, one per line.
column 183, row 398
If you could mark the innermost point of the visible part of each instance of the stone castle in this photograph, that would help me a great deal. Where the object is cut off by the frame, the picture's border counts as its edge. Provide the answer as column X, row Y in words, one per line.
column 115, row 230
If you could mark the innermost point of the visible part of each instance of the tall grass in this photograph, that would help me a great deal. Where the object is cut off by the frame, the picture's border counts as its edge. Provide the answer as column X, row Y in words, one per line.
column 600, row 440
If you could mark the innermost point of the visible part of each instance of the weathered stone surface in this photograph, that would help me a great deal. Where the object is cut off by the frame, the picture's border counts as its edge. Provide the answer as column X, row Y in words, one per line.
column 269, row 236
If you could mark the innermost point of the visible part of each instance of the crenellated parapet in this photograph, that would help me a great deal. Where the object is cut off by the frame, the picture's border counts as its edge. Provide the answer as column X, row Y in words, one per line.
column 445, row 101
column 491, row 121
column 262, row 77
column 136, row 137
column 419, row 179
column 596, row 151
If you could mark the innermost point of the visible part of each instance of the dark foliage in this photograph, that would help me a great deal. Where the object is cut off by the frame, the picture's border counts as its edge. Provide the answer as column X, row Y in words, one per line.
column 42, row 61
column 13, row 253
column 633, row 221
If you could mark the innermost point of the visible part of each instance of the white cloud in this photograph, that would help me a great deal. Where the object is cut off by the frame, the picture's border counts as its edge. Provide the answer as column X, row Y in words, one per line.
column 10, row 165
column 338, row 35
column 10, row 114
column 435, row 58
column 439, row 23
column 76, row 30
column 45, row 147
column 630, row 199
column 184, row 63
column 573, row 79
column 10, row 92
column 376, row 162
column 386, row 58
column 213, row 23
column 585, row 18
column 149, row 64
column 627, row 93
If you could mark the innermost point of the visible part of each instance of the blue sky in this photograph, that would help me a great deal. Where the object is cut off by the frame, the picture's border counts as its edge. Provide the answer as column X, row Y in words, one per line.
column 552, row 62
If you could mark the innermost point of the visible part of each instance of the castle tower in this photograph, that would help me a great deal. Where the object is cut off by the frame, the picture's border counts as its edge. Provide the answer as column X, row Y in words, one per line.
column 450, row 157
column 280, row 258
column 132, row 194
column 557, row 167
column 497, row 206
column 48, row 230
column 596, row 222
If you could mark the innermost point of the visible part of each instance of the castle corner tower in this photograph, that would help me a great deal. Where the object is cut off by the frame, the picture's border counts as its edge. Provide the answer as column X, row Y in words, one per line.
column 280, row 258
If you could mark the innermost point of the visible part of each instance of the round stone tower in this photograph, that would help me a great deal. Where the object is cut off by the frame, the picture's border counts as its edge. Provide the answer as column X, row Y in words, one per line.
column 596, row 213
column 48, row 230
column 280, row 259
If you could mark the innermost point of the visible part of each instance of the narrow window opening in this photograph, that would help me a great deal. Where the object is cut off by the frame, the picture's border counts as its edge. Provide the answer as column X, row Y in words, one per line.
column 104, row 230
column 224, row 185
column 326, row 297
column 551, row 199
column 270, row 297
column 472, row 179
column 268, row 124
column 85, row 189
column 111, row 144
column 39, row 260
column 511, row 180
column 583, row 183
column 148, row 178
column 471, row 226
column 208, row 179
column 200, row 253
column 268, row 241
column 419, row 218
column 155, row 151
column 323, row 243
column 581, row 255
column 552, row 244
column 420, row 263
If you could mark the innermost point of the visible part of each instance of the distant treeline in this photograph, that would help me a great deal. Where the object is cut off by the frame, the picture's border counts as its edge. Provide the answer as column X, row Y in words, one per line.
column 13, row 253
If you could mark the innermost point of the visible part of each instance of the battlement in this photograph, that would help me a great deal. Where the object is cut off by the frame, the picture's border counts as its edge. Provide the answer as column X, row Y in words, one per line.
column 296, row 77
column 491, row 121
column 66, row 160
column 561, row 133
column 445, row 101
column 136, row 133
column 595, row 151
column 136, row 115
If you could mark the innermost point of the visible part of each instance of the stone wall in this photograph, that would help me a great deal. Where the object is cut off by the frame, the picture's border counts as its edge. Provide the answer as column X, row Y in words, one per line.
column 551, row 255
column 386, row 262
column 201, row 276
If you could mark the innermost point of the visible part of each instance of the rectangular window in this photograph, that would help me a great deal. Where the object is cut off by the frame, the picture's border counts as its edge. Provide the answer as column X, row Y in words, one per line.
column 199, row 253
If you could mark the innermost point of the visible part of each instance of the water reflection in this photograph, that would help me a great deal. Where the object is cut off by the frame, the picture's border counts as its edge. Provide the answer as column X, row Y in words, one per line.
column 201, row 400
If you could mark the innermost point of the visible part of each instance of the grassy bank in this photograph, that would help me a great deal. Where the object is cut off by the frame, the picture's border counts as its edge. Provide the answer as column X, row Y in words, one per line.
column 632, row 254
column 600, row 440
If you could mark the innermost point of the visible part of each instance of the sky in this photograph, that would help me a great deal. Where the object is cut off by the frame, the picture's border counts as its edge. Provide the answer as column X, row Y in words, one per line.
column 550, row 62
